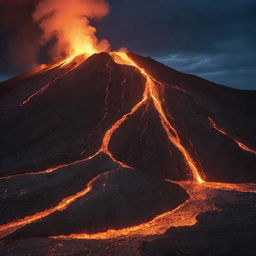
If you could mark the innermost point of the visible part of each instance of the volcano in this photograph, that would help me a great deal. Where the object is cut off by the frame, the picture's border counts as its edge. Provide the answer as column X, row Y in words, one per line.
column 114, row 150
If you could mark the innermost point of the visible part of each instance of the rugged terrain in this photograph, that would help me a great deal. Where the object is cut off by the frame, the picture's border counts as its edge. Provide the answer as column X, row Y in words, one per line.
column 95, row 153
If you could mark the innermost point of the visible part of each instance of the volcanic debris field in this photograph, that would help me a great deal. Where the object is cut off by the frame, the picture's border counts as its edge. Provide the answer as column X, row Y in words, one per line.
column 119, row 155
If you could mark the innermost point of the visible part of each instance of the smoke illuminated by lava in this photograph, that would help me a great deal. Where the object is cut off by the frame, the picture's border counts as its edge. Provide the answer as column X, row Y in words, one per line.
column 68, row 23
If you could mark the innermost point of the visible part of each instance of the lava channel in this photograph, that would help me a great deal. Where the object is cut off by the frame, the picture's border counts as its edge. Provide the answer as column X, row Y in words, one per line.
column 201, row 200
column 61, row 64
column 49, row 170
column 62, row 205
column 183, row 215
column 152, row 93
column 239, row 143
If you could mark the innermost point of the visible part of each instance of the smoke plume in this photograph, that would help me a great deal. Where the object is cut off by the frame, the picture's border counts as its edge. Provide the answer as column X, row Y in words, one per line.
column 67, row 23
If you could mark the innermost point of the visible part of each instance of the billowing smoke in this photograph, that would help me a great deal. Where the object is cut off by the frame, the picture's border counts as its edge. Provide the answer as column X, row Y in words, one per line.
column 67, row 23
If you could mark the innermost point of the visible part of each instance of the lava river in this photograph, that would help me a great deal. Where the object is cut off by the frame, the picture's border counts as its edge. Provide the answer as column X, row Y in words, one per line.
column 199, row 190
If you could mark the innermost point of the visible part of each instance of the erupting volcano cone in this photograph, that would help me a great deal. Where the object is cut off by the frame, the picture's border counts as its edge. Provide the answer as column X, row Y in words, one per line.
column 61, row 114
column 98, row 143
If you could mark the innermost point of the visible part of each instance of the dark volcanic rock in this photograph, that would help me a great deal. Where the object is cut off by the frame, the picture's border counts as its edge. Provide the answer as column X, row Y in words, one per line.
column 67, row 121
column 26, row 195
column 189, row 101
column 142, row 142
column 230, row 231
column 70, row 118
column 122, row 198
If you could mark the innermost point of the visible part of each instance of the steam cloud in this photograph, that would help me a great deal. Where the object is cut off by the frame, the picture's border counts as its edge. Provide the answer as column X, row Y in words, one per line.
column 68, row 23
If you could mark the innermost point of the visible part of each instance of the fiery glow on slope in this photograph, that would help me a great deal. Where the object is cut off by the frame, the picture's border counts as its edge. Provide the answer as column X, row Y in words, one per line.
column 69, row 24
column 76, row 61
column 240, row 187
column 201, row 200
column 184, row 215
column 152, row 93
column 239, row 143
column 49, row 170
column 107, row 137
column 38, row 92
column 62, row 205
column 199, row 190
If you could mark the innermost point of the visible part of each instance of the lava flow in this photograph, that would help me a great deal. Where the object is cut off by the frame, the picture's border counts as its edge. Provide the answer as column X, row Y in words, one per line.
column 239, row 143
column 49, row 170
column 184, row 215
column 76, row 61
column 151, row 92
column 66, row 30
column 201, row 200
column 199, row 190
column 62, row 205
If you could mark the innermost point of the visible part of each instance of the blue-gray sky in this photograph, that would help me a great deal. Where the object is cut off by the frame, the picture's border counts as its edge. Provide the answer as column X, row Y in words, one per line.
column 214, row 39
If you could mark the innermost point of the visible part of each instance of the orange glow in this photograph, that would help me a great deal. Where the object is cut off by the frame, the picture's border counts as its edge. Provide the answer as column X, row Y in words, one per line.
column 240, row 187
column 59, row 207
column 151, row 92
column 76, row 61
column 201, row 200
column 184, row 215
column 35, row 70
column 52, row 169
column 38, row 92
column 242, row 146
column 239, row 143
column 109, row 133
column 200, row 191
column 69, row 24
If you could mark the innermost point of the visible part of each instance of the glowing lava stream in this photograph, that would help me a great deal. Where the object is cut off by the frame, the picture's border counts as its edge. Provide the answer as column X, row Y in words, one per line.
column 201, row 200
column 62, row 205
column 239, row 144
column 149, row 93
column 183, row 215
column 152, row 93
column 78, row 60
column 52, row 169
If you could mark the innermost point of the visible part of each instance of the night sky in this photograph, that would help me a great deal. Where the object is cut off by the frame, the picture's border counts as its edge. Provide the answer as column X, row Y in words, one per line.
column 214, row 39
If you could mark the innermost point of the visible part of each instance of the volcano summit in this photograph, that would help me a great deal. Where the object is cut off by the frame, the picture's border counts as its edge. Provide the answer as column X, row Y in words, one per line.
column 112, row 150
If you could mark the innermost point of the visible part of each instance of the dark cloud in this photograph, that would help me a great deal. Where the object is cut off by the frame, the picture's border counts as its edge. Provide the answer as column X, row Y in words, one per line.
column 215, row 39
column 19, row 36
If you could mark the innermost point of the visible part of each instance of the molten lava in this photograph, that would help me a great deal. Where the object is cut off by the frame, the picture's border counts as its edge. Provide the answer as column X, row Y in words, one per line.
column 151, row 93
column 199, row 190
column 201, row 200
column 59, row 207
column 67, row 25
column 239, row 143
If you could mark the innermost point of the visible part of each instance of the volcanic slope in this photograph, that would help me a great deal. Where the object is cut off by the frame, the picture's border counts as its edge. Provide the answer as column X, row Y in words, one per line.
column 107, row 131
column 67, row 120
